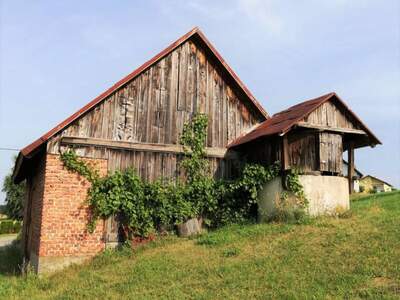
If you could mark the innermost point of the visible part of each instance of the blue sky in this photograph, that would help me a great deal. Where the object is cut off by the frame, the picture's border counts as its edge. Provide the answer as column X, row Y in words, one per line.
column 55, row 56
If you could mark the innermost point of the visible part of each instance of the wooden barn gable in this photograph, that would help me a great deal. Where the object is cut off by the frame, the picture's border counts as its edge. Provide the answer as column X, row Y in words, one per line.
column 150, row 106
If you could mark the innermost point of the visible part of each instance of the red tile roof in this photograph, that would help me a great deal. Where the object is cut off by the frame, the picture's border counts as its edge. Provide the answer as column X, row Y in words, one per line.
column 280, row 123
column 194, row 32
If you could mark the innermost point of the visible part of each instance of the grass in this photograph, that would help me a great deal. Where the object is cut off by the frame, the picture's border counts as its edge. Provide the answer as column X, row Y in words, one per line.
column 335, row 258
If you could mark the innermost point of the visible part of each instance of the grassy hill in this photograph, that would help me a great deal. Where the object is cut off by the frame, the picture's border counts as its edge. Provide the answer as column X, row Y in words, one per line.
column 356, row 256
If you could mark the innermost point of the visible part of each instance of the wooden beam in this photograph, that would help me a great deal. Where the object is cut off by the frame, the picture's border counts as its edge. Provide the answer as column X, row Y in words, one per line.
column 350, row 166
column 333, row 129
column 126, row 145
column 285, row 153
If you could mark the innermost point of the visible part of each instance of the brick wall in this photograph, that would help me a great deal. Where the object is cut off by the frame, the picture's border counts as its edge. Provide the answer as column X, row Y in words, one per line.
column 65, row 213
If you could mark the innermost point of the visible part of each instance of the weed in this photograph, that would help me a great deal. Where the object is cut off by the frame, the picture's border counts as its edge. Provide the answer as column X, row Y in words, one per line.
column 230, row 252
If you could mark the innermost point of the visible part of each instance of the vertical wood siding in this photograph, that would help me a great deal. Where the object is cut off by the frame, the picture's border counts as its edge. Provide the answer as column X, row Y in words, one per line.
column 330, row 152
column 302, row 151
column 329, row 114
column 153, row 108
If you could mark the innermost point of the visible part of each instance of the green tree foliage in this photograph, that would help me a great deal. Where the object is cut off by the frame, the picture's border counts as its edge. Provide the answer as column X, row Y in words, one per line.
column 15, row 194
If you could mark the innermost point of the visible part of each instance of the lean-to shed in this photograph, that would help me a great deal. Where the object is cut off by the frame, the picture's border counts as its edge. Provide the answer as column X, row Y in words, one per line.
column 311, row 137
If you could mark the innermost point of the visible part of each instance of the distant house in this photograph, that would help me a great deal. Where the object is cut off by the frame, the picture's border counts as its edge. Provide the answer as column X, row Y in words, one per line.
column 356, row 178
column 371, row 183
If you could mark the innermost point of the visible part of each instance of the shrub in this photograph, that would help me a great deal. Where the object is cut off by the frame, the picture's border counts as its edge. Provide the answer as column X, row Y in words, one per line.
column 11, row 259
column 14, row 197
column 230, row 252
column 10, row 226
column 373, row 190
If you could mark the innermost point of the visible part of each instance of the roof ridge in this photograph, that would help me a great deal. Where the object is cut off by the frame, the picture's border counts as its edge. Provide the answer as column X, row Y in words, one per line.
column 317, row 99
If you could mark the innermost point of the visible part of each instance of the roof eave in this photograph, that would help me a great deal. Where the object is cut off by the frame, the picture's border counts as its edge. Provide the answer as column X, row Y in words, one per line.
column 17, row 168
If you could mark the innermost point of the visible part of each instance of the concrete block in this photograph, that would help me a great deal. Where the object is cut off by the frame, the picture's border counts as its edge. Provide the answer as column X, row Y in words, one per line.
column 325, row 194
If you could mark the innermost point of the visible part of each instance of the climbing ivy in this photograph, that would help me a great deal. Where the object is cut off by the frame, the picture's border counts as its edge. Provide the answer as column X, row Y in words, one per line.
column 193, row 140
column 144, row 207
column 73, row 163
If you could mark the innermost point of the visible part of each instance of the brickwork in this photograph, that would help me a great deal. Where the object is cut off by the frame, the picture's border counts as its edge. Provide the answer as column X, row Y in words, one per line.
column 56, row 215
column 65, row 213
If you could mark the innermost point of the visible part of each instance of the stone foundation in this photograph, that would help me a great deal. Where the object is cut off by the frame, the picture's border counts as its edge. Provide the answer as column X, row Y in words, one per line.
column 326, row 195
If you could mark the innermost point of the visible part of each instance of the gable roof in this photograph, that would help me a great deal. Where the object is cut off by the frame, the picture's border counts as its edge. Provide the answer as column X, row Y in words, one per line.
column 380, row 180
column 345, row 164
column 282, row 122
column 195, row 32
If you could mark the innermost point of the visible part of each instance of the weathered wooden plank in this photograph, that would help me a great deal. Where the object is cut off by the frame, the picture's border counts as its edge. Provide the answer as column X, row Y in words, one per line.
column 105, row 121
column 148, row 147
column 333, row 129
column 162, row 105
column 285, row 153
column 150, row 107
column 202, row 81
column 191, row 85
column 330, row 152
column 302, row 151
column 155, row 103
column 134, row 90
column 171, row 129
column 328, row 114
column 143, row 106
column 210, row 104
column 183, row 68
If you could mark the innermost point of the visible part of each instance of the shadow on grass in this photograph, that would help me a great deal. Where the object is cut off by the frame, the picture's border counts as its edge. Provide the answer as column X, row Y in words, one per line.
column 10, row 259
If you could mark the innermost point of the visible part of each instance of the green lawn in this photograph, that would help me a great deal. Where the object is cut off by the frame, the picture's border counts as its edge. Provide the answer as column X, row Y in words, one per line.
column 353, row 257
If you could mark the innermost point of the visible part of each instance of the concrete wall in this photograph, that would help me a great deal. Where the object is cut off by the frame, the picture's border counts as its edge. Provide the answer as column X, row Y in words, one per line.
column 356, row 186
column 326, row 195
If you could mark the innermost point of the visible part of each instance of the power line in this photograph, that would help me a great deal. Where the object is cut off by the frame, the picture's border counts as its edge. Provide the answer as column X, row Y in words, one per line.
column 8, row 149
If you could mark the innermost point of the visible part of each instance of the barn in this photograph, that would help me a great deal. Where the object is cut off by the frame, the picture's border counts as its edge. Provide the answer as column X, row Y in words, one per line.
column 137, row 122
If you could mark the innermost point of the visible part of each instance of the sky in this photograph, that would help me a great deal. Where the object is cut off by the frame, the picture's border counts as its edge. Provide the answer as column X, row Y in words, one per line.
column 55, row 56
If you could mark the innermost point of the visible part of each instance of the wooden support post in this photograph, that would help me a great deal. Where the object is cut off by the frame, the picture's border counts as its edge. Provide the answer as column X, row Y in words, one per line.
column 350, row 166
column 285, row 153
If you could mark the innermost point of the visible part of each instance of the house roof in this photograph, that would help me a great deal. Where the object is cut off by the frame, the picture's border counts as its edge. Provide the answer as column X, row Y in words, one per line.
column 194, row 32
column 376, row 179
column 282, row 122
column 345, row 164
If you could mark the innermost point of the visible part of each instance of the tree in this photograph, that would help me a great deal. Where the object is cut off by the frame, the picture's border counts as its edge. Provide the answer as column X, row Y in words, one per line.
column 15, row 194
